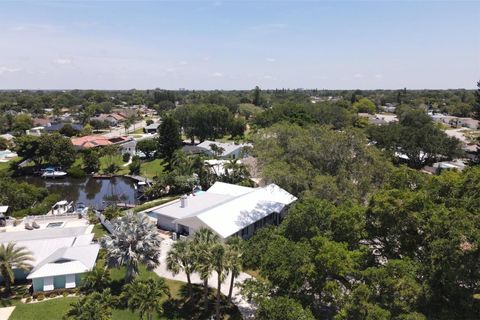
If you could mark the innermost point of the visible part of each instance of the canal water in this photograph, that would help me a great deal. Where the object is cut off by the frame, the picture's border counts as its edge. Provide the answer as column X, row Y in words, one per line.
column 94, row 193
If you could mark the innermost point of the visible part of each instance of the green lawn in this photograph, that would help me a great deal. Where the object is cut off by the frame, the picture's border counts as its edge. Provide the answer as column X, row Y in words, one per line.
column 105, row 161
column 152, row 168
column 5, row 166
column 50, row 309
column 178, row 307
column 99, row 231
column 138, row 131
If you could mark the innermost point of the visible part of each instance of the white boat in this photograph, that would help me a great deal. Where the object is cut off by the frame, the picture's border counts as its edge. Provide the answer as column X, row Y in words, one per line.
column 81, row 209
column 61, row 208
column 52, row 173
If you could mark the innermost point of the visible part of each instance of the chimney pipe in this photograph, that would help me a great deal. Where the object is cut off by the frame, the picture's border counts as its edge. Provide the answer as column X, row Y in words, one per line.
column 183, row 201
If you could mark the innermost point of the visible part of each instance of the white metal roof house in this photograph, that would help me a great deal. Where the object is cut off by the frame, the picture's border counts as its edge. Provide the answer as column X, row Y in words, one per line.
column 230, row 149
column 226, row 209
column 62, row 251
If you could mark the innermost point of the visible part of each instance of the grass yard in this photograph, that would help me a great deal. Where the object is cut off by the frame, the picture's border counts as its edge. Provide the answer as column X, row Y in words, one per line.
column 5, row 166
column 99, row 231
column 50, row 309
column 138, row 131
column 179, row 306
column 105, row 161
column 152, row 168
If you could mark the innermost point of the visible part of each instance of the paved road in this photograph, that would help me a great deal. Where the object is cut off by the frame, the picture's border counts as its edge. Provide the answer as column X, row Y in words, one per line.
column 120, row 130
column 246, row 308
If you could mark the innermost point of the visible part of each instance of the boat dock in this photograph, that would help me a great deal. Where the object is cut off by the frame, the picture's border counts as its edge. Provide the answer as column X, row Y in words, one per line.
column 140, row 179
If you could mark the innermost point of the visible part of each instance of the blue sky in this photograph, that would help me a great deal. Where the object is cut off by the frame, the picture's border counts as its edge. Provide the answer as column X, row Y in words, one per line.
column 239, row 44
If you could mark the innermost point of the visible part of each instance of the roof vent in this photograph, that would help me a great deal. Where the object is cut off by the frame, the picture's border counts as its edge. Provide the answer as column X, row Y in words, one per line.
column 183, row 201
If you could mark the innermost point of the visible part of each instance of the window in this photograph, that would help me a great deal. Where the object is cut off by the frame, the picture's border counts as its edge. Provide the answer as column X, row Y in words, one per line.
column 70, row 281
column 47, row 283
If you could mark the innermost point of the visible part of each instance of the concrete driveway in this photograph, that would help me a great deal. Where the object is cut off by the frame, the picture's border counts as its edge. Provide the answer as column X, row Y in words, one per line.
column 247, row 309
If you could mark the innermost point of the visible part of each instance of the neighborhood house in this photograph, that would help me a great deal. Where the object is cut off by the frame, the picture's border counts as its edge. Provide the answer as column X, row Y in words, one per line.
column 125, row 144
column 226, row 150
column 61, row 247
column 226, row 209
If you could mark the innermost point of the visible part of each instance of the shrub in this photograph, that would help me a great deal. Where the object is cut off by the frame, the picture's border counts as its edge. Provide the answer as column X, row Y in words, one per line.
column 65, row 294
column 28, row 300
column 126, row 157
column 134, row 167
column 40, row 297
column 76, row 172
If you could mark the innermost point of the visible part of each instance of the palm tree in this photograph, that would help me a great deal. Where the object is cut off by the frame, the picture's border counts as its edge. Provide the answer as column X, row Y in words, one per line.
column 134, row 241
column 219, row 258
column 97, row 279
column 13, row 257
column 235, row 172
column 234, row 261
column 95, row 306
column 203, row 241
column 181, row 258
column 145, row 296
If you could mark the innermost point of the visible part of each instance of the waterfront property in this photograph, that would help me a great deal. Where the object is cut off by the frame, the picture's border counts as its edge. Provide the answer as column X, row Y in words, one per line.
column 125, row 144
column 226, row 209
column 226, row 150
column 61, row 247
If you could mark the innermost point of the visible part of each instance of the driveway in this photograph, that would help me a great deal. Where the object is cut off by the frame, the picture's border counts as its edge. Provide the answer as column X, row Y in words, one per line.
column 247, row 309
column 6, row 312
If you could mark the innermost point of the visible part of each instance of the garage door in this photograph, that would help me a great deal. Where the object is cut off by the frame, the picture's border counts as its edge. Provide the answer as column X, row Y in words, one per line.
column 165, row 223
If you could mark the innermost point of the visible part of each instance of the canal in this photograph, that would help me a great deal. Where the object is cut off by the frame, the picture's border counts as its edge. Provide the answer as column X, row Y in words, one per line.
column 95, row 193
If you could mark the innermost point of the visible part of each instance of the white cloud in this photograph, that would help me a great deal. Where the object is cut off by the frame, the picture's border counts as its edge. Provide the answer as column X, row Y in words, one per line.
column 8, row 70
column 378, row 76
column 358, row 75
column 269, row 77
column 271, row 59
column 217, row 74
column 62, row 61
column 268, row 27
column 183, row 62
column 30, row 27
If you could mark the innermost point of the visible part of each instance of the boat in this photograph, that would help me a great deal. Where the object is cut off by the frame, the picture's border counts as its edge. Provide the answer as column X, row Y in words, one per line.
column 81, row 209
column 61, row 208
column 52, row 173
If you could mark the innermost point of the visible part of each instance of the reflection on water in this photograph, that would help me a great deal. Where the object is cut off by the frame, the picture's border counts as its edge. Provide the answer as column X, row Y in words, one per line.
column 95, row 193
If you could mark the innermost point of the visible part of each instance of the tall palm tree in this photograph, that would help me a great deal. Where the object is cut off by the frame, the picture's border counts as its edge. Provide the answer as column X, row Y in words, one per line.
column 219, row 256
column 234, row 246
column 135, row 240
column 13, row 257
column 145, row 296
column 181, row 258
column 97, row 279
column 203, row 241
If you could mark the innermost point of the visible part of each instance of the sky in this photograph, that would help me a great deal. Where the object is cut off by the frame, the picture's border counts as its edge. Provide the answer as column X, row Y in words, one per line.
column 239, row 44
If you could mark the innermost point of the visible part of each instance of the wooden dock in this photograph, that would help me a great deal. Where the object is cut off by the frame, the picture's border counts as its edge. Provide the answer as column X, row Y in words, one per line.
column 140, row 179
column 102, row 176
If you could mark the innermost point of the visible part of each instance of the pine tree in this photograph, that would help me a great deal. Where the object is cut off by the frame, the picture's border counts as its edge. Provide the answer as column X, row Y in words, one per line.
column 477, row 102
column 169, row 138
column 256, row 96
